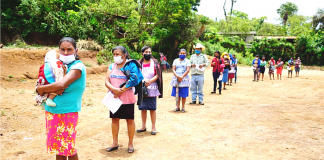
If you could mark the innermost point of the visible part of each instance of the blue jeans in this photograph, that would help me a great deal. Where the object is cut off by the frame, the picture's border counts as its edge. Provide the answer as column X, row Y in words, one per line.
column 235, row 73
column 196, row 88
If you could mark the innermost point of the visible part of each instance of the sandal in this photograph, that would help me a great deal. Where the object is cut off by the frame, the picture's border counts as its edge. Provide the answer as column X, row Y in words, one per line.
column 139, row 130
column 112, row 149
column 130, row 150
column 176, row 110
column 183, row 110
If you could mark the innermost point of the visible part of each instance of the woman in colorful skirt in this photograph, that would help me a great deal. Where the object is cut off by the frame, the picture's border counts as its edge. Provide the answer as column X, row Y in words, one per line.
column 279, row 68
column 180, row 79
column 231, row 72
column 61, row 121
column 153, row 81
column 114, row 79
column 226, row 58
column 263, row 63
column 272, row 64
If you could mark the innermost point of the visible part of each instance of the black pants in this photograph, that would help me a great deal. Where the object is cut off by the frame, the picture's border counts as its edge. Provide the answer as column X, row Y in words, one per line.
column 216, row 76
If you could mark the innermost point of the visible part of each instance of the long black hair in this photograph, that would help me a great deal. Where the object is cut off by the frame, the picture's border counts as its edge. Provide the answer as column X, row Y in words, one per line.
column 72, row 41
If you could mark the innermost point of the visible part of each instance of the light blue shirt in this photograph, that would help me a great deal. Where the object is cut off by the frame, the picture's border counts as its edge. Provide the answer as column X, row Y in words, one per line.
column 71, row 100
column 181, row 66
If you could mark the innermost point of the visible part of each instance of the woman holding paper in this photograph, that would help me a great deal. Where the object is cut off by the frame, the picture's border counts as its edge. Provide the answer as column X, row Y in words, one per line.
column 180, row 79
column 153, row 81
column 115, row 77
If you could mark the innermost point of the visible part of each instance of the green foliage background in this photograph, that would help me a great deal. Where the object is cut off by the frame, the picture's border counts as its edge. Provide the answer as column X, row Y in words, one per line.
column 166, row 26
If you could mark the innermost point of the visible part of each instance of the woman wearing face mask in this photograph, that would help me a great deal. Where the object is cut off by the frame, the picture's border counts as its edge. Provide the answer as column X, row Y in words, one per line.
column 272, row 64
column 217, row 71
column 180, row 79
column 61, row 142
column 114, row 78
column 279, row 68
column 226, row 58
column 297, row 66
column 263, row 63
column 153, row 81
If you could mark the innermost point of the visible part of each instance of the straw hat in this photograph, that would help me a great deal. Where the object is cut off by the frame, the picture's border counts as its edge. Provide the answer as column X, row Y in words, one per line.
column 199, row 45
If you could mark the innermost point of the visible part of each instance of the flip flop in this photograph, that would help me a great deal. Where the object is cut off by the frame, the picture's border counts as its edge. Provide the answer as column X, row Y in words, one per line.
column 176, row 110
column 130, row 150
column 139, row 130
column 153, row 133
column 112, row 149
column 183, row 110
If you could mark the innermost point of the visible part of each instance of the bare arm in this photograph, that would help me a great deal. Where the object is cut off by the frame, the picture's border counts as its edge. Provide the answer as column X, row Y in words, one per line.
column 72, row 76
column 174, row 70
column 187, row 71
column 117, row 91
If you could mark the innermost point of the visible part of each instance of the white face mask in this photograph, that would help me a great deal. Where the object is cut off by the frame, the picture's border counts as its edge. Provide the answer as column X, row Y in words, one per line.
column 256, row 58
column 118, row 60
column 67, row 59
column 225, row 56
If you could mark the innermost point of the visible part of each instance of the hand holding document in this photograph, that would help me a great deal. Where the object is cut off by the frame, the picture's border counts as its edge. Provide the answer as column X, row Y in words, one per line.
column 113, row 104
column 201, row 69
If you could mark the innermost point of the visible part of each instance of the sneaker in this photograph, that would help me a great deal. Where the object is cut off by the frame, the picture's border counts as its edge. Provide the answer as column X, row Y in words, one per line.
column 193, row 102
column 201, row 103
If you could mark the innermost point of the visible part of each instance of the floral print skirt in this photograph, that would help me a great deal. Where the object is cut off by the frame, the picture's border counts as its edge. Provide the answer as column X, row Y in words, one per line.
column 61, row 132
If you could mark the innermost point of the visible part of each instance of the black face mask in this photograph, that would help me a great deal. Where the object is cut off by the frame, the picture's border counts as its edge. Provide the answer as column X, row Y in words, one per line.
column 147, row 56
column 217, row 56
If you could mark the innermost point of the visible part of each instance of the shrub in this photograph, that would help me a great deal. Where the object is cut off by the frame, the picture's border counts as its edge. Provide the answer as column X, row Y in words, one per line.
column 89, row 45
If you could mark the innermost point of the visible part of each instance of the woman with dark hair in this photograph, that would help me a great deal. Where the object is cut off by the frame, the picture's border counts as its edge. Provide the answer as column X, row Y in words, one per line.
column 61, row 121
column 263, row 64
column 272, row 64
column 152, row 73
column 180, row 79
column 279, row 68
column 115, row 77
column 217, row 71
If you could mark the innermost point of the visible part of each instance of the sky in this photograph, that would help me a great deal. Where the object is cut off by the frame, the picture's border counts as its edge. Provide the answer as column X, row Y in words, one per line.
column 257, row 8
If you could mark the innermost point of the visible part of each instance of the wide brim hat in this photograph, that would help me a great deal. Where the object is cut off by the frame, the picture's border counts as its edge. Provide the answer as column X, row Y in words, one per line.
column 199, row 45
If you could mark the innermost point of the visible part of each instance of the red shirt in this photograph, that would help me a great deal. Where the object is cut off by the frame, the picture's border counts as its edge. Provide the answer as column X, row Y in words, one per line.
column 216, row 66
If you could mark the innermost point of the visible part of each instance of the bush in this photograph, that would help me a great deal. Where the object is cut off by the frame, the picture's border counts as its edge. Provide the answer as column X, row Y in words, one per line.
column 89, row 45
column 104, row 56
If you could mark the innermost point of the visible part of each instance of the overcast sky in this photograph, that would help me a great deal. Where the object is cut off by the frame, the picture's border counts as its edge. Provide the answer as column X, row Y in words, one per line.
column 257, row 8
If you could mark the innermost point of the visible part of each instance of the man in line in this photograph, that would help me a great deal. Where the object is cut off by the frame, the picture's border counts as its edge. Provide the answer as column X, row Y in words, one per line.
column 235, row 66
column 198, row 63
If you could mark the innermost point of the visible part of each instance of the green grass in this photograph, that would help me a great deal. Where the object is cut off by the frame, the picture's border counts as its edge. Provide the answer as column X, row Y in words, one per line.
column 88, row 64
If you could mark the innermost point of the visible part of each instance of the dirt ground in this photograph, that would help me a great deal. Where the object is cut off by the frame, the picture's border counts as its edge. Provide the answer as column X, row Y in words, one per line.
column 277, row 119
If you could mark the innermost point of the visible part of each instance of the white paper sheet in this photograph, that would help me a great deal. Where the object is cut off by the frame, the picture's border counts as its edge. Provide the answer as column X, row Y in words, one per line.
column 113, row 104
column 201, row 69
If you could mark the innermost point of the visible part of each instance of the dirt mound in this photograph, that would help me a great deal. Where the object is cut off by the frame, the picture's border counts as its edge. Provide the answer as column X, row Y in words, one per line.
column 25, row 63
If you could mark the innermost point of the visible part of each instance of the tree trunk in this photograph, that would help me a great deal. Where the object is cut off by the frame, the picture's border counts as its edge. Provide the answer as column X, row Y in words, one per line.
column 225, row 10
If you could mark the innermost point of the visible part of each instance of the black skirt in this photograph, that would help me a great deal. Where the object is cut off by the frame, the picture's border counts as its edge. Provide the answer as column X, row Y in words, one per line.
column 126, row 111
column 149, row 103
column 262, row 69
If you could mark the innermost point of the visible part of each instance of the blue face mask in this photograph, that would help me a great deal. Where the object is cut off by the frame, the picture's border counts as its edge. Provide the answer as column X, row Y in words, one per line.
column 182, row 56
column 197, row 51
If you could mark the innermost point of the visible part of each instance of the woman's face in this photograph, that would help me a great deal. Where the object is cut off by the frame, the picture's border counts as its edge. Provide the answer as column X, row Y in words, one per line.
column 118, row 52
column 216, row 54
column 66, row 48
column 263, row 58
column 182, row 53
column 147, row 51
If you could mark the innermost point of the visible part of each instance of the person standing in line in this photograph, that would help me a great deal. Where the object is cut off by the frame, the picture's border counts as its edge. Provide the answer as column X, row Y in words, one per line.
column 227, row 67
column 62, row 120
column 272, row 63
column 198, row 63
column 217, row 71
column 297, row 66
column 163, row 60
column 290, row 67
column 279, row 68
column 235, row 66
column 114, row 78
column 180, row 79
column 256, row 67
column 263, row 64
column 152, row 73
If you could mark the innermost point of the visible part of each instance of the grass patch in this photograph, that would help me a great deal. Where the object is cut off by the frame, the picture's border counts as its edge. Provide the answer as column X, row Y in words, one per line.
column 87, row 64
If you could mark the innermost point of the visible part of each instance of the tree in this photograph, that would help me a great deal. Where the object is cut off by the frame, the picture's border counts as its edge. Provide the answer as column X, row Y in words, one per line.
column 233, row 1
column 225, row 10
column 299, row 24
column 318, row 20
column 239, row 14
column 286, row 10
